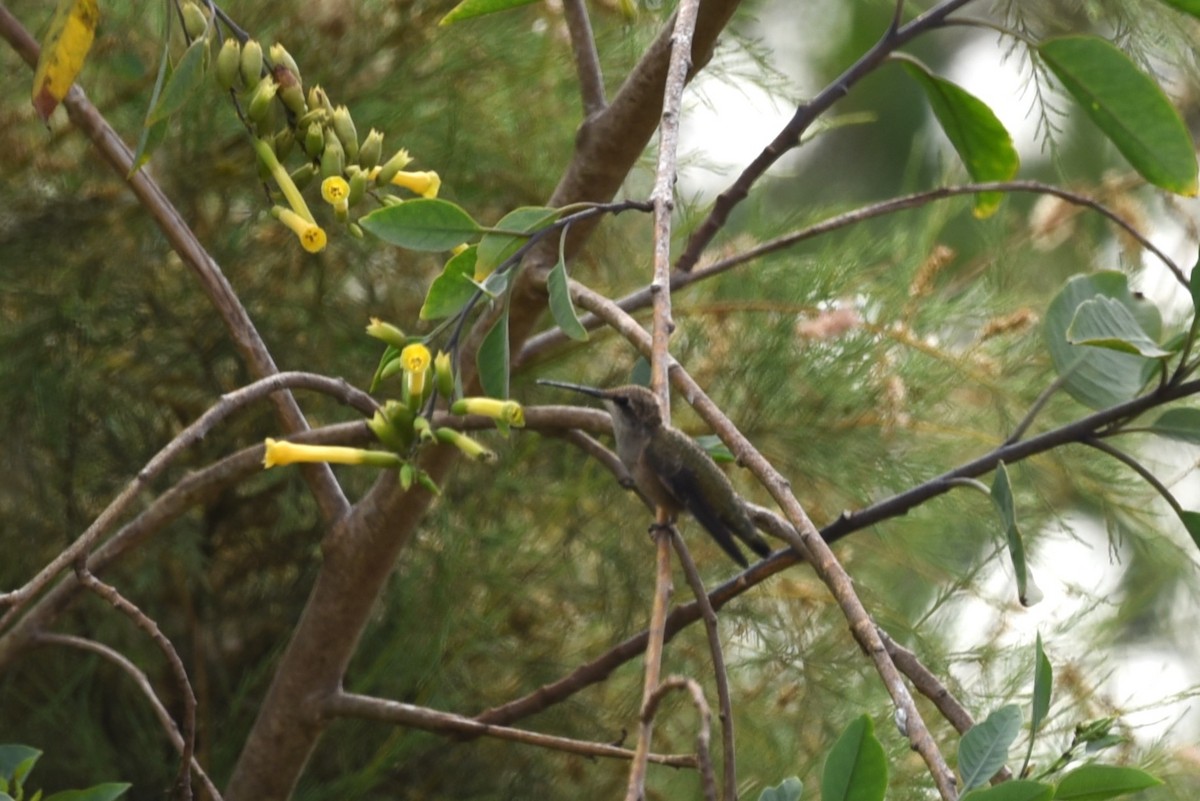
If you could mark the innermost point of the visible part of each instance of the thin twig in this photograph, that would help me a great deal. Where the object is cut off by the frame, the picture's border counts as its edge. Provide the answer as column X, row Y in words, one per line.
column 652, row 670
column 143, row 621
column 930, row 686
column 789, row 137
column 641, row 298
column 720, row 674
column 329, row 496
column 1137, row 467
column 351, row 705
column 587, row 60
column 218, row 412
column 194, row 489
column 704, row 730
column 143, row 684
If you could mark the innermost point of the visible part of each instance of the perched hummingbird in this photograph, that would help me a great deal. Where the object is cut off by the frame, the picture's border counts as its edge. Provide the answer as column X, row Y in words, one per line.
column 672, row 470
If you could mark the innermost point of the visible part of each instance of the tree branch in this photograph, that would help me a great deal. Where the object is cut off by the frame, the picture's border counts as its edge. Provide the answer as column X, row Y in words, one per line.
column 343, row 704
column 587, row 60
column 143, row 684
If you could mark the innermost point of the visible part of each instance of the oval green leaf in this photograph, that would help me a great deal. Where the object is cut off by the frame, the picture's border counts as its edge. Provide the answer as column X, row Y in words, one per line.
column 500, row 243
column 790, row 789
column 1017, row 790
column 561, row 307
column 1027, row 591
column 1043, row 683
column 1178, row 424
column 1191, row 521
column 1098, row 782
column 427, row 224
column 451, row 290
column 978, row 136
column 185, row 80
column 492, row 359
column 856, row 769
column 16, row 761
column 1128, row 106
column 101, row 792
column 1107, row 323
column 477, row 8
column 983, row 750
column 1098, row 377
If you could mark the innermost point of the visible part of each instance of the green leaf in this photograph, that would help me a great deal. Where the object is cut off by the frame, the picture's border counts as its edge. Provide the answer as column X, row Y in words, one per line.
column 856, row 769
column 451, row 290
column 492, row 359
column 152, row 135
column 1043, row 682
column 1027, row 591
column 101, row 792
column 1016, row 790
column 185, row 80
column 1186, row 6
column 1128, row 106
column 1181, row 424
column 561, row 307
column 427, row 224
column 390, row 354
column 1191, row 521
column 477, row 8
column 981, row 140
column 1107, row 323
column 715, row 448
column 789, row 789
column 500, row 243
column 1098, row 377
column 983, row 750
column 16, row 761
column 1097, row 782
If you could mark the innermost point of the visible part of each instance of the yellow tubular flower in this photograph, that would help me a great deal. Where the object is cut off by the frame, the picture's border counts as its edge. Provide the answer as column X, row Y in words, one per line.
column 279, row 453
column 294, row 198
column 465, row 444
column 415, row 358
column 507, row 411
column 386, row 332
column 335, row 190
column 312, row 236
column 425, row 184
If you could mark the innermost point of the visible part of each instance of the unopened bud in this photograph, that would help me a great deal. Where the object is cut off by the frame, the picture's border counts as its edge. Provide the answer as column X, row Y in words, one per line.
column 260, row 99
column 371, row 151
column 314, row 140
column 289, row 89
column 229, row 60
column 280, row 57
column 358, row 187
column 333, row 158
column 252, row 63
column 393, row 166
column 284, row 140
column 343, row 126
column 443, row 372
column 302, row 176
column 318, row 99
column 195, row 21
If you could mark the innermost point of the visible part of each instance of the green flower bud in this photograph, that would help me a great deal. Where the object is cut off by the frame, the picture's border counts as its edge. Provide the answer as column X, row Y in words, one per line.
column 229, row 60
column 406, row 476
column 333, row 158
column 387, row 434
column 314, row 116
column 443, row 371
column 302, row 176
column 422, row 428
column 371, row 151
column 259, row 103
column 284, row 140
column 290, row 91
column 358, row 187
column 400, row 416
column 343, row 126
column 314, row 140
column 390, row 200
column 252, row 63
column 195, row 21
column 465, row 444
column 318, row 99
column 356, row 231
column 280, row 57
column 393, row 166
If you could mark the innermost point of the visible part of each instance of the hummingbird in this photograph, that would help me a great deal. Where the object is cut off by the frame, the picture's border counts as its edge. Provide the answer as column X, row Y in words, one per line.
column 673, row 471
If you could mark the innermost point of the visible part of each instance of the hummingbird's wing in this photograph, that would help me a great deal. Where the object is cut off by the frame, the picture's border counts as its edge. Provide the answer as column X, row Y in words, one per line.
column 691, row 489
